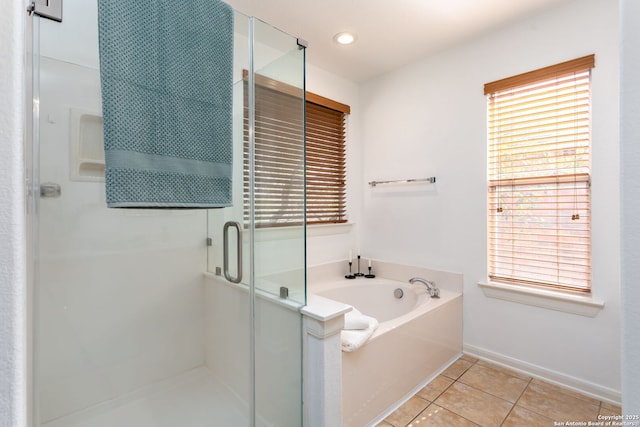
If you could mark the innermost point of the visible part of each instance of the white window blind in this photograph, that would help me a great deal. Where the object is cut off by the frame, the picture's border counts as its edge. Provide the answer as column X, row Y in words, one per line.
column 282, row 177
column 539, row 202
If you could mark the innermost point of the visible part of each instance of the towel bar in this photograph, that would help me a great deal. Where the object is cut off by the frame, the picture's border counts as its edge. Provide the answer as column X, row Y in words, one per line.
column 431, row 180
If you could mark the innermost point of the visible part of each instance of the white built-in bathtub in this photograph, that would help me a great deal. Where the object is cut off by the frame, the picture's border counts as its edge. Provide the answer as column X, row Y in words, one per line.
column 418, row 336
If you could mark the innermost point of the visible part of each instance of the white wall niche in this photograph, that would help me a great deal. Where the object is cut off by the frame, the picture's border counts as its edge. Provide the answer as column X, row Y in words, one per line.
column 86, row 146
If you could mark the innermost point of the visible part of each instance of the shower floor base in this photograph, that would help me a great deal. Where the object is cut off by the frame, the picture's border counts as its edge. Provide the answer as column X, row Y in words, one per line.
column 192, row 399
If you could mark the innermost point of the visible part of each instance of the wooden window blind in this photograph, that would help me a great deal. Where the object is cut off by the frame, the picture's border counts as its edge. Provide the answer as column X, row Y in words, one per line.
column 539, row 219
column 281, row 174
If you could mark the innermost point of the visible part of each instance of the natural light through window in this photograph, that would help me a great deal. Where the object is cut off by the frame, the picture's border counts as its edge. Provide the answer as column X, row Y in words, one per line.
column 539, row 202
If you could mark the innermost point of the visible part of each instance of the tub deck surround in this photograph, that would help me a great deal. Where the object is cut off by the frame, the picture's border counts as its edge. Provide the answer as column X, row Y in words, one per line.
column 343, row 291
column 406, row 351
column 377, row 304
column 332, row 271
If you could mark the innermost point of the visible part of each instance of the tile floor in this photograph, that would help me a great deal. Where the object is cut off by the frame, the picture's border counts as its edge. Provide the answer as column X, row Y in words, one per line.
column 472, row 392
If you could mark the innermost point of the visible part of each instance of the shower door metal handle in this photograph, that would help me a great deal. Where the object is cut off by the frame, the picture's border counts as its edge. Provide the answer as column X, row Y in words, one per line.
column 225, row 235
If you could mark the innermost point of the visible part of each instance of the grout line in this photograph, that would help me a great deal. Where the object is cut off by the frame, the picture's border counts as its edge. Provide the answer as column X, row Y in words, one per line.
column 451, row 385
column 494, row 395
column 443, row 408
column 457, row 380
column 419, row 412
column 458, row 415
column 433, row 402
column 415, row 394
column 445, row 389
column 516, row 402
column 536, row 410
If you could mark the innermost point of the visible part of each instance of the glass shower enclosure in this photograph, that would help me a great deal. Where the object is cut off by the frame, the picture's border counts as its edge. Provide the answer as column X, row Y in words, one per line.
column 170, row 317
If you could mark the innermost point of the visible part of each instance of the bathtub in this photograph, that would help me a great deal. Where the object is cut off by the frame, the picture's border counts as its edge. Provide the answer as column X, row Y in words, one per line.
column 418, row 336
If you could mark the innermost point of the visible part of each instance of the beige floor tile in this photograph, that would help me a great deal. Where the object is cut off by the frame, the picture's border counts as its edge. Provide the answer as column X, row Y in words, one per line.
column 520, row 417
column 435, row 388
column 468, row 358
column 384, row 424
column 435, row 416
column 494, row 382
column 407, row 412
column 608, row 412
column 503, row 370
column 613, row 408
column 559, row 406
column 474, row 405
column 568, row 392
column 457, row 368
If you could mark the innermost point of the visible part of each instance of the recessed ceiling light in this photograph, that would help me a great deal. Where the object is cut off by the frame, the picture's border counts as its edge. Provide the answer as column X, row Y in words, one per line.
column 345, row 38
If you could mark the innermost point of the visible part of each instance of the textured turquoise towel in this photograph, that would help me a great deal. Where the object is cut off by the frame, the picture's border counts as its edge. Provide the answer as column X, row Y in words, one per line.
column 166, row 70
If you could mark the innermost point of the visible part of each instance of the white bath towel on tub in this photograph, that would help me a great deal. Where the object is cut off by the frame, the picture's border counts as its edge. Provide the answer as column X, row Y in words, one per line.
column 354, row 319
column 354, row 339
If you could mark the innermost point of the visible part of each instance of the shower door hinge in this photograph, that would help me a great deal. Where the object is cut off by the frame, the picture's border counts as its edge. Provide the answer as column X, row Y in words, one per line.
column 302, row 44
column 209, row 241
column 50, row 9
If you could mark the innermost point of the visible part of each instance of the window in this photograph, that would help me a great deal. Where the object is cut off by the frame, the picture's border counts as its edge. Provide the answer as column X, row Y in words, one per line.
column 326, row 167
column 279, row 157
column 539, row 219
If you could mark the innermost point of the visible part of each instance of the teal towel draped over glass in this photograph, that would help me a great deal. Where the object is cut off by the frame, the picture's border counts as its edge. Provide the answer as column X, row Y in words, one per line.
column 166, row 71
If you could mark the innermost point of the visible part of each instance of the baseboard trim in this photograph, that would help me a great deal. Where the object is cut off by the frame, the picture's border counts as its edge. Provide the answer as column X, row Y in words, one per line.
column 572, row 383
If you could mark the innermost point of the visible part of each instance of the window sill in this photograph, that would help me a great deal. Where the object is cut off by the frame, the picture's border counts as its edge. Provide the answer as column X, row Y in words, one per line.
column 328, row 229
column 554, row 300
column 296, row 231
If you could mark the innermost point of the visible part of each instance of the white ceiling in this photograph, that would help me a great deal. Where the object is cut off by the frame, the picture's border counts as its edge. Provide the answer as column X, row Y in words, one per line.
column 391, row 33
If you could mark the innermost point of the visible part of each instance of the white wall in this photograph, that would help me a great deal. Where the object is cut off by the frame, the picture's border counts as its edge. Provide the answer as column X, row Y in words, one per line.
column 630, row 154
column 429, row 118
column 12, row 218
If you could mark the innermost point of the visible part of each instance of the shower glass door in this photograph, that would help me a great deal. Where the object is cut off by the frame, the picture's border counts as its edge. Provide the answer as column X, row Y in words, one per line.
column 135, row 320
column 264, row 230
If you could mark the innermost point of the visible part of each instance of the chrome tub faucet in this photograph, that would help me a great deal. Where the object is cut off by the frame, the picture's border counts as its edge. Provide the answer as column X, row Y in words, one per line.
column 431, row 286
